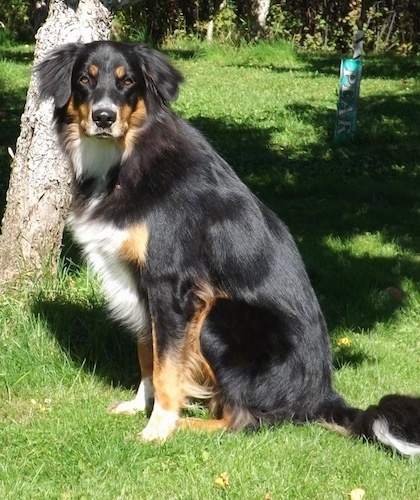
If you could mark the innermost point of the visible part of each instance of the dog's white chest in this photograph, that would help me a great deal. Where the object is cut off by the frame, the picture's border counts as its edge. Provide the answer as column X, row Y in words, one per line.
column 93, row 158
column 101, row 243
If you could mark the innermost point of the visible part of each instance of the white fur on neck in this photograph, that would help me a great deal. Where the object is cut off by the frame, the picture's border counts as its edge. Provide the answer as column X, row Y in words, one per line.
column 94, row 157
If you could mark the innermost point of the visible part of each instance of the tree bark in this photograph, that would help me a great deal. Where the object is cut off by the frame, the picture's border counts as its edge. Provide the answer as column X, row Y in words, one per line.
column 39, row 189
column 258, row 14
column 210, row 24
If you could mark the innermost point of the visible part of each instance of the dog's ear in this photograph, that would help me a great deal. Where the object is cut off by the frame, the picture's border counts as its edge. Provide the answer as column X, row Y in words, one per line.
column 161, row 78
column 54, row 74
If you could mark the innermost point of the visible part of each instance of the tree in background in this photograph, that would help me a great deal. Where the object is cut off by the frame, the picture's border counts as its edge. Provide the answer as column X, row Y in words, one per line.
column 258, row 14
column 156, row 20
column 310, row 24
column 39, row 188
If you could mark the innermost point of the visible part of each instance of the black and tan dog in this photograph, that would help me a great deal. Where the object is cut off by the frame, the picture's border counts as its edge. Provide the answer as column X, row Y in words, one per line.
column 207, row 277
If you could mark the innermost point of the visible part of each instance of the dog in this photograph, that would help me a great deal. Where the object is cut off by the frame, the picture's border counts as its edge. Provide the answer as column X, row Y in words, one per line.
column 208, row 278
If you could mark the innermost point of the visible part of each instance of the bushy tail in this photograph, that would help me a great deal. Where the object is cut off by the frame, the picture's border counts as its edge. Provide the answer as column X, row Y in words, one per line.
column 394, row 422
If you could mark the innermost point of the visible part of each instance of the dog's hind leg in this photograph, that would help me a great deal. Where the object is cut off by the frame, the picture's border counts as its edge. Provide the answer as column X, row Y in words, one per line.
column 179, row 368
column 144, row 397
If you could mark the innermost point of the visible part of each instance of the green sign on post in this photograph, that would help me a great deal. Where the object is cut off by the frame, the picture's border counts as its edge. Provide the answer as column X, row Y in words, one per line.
column 348, row 97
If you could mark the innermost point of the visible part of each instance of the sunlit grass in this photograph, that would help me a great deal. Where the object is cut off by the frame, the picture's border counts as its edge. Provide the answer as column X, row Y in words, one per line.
column 354, row 211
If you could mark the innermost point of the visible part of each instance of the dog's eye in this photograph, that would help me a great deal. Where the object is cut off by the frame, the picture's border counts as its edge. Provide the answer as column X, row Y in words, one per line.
column 84, row 79
column 128, row 82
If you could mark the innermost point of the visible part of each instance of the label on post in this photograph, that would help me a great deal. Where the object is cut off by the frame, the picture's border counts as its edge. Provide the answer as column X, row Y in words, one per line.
column 345, row 121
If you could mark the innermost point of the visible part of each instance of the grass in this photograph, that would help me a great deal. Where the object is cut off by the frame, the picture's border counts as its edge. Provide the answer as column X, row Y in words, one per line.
column 14, row 76
column 354, row 211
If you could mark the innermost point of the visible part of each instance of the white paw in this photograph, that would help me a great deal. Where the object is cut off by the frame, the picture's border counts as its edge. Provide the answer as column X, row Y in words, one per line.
column 142, row 402
column 126, row 407
column 161, row 425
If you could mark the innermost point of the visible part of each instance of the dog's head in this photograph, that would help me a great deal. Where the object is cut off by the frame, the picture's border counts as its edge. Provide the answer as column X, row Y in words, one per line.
column 107, row 88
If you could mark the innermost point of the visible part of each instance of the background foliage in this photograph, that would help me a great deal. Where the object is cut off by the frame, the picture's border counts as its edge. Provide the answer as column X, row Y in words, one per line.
column 390, row 25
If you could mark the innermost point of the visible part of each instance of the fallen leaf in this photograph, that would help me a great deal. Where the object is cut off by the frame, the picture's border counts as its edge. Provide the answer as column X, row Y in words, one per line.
column 222, row 481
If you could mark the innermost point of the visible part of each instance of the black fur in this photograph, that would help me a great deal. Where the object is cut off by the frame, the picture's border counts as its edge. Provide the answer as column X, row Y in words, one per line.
column 215, row 254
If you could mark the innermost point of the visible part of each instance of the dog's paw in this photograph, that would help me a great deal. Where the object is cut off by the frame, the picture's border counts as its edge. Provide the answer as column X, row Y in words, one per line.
column 126, row 407
column 161, row 425
column 142, row 402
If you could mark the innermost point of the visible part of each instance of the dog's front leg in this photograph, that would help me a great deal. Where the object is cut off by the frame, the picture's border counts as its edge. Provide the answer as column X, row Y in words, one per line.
column 169, row 331
column 144, row 397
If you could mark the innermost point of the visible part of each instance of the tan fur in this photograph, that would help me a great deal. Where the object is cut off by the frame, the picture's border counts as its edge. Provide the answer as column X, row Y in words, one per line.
column 189, row 368
column 120, row 72
column 80, row 116
column 334, row 427
column 184, row 372
column 134, row 248
column 166, row 380
column 145, row 357
column 93, row 70
column 199, row 380
column 134, row 119
column 85, row 116
column 198, row 424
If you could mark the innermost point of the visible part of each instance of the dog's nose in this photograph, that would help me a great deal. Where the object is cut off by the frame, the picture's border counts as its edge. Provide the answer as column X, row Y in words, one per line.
column 103, row 117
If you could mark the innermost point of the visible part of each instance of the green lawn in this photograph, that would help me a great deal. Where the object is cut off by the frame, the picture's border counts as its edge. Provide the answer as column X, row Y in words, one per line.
column 354, row 211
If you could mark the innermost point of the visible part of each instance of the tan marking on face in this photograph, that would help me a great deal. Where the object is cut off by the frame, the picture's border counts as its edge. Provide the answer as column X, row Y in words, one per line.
column 71, row 110
column 138, row 115
column 85, row 113
column 134, row 247
column 79, row 114
column 120, row 72
column 93, row 70
column 73, row 131
column 124, row 114
column 133, row 120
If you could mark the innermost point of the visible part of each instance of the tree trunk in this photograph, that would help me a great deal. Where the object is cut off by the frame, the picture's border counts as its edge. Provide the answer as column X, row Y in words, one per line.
column 210, row 24
column 39, row 190
column 258, row 14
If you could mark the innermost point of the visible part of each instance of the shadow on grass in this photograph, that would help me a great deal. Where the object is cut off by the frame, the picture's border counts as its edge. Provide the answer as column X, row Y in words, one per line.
column 374, row 66
column 183, row 54
column 18, row 54
column 389, row 66
column 349, row 357
column 101, row 347
column 93, row 340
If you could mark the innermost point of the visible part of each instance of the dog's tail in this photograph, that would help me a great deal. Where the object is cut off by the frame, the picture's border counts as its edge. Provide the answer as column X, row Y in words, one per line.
column 394, row 422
